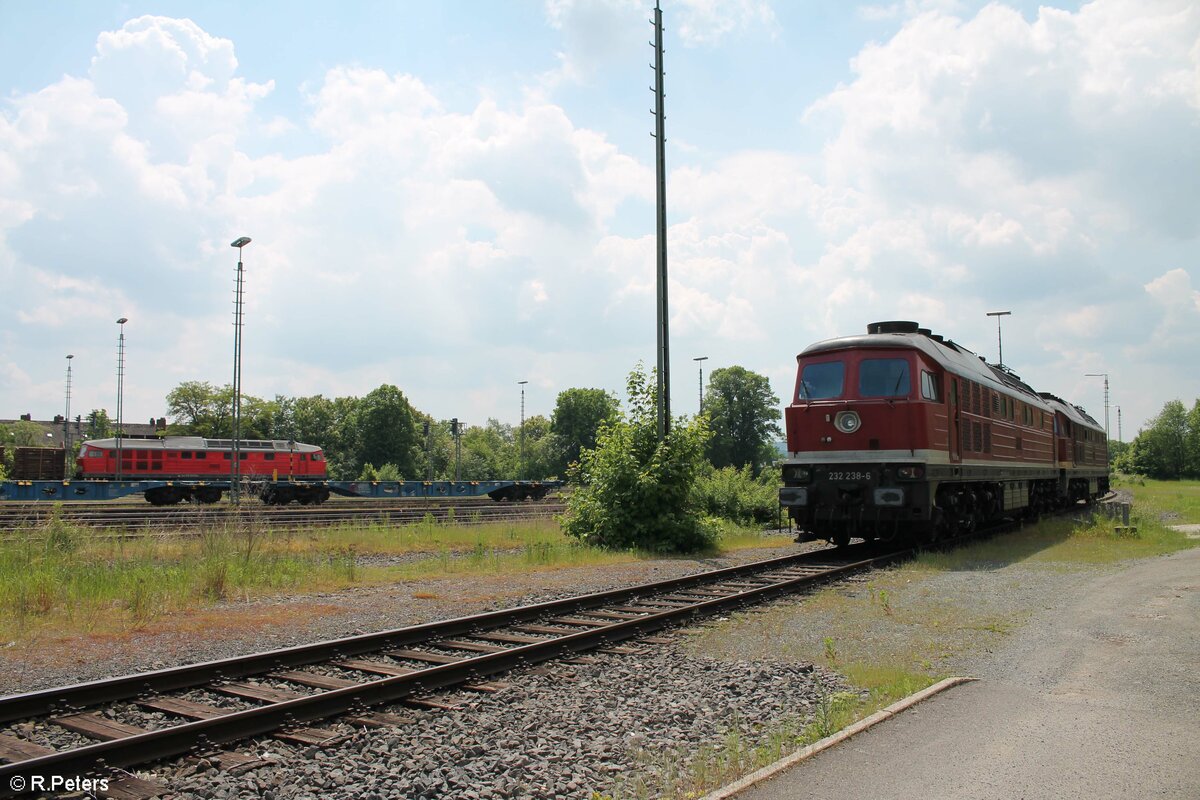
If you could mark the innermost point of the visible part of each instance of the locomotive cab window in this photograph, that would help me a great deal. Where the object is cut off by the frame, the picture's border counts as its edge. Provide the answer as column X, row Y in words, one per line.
column 883, row 377
column 821, row 381
column 186, row 454
column 930, row 389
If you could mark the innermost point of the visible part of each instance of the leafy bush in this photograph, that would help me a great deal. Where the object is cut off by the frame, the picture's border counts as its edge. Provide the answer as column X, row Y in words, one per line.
column 636, row 492
column 388, row 472
column 735, row 494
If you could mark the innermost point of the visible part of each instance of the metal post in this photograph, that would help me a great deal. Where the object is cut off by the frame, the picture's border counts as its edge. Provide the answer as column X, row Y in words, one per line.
column 660, row 136
column 235, row 468
column 1119, row 438
column 67, row 418
column 428, row 452
column 454, row 430
column 700, row 360
column 120, row 390
column 1105, row 376
column 999, row 338
column 521, row 469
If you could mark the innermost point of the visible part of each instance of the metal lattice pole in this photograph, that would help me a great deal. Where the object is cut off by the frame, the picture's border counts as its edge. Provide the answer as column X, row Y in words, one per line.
column 235, row 469
column 67, row 418
column 120, row 391
column 521, row 470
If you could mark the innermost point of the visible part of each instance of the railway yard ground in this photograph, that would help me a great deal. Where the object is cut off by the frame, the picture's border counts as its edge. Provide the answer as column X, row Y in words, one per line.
column 709, row 702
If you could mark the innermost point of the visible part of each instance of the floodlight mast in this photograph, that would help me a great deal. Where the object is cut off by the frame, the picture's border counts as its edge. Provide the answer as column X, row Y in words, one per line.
column 235, row 469
column 1105, row 376
column 120, row 390
column 999, row 338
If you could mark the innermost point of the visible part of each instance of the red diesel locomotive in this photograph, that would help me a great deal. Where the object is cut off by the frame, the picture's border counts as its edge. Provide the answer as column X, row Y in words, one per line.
column 194, row 458
column 903, row 434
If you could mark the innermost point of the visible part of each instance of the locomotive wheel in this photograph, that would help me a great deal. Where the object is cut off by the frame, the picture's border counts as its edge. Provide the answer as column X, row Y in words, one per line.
column 208, row 495
column 164, row 496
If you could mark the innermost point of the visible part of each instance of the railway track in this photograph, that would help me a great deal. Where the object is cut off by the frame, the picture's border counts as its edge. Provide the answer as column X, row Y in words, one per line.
column 287, row 693
column 146, row 519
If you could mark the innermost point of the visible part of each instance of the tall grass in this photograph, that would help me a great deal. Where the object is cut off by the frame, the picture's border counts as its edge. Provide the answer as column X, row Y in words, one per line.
column 62, row 577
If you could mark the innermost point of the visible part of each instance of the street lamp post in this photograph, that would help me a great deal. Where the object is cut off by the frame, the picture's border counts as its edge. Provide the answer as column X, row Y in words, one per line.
column 120, row 390
column 999, row 338
column 67, row 418
column 521, row 471
column 1119, row 438
column 235, row 471
column 1105, row 376
column 700, row 360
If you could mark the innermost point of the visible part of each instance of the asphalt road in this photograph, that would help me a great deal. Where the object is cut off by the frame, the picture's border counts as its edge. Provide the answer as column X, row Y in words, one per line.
column 1096, row 698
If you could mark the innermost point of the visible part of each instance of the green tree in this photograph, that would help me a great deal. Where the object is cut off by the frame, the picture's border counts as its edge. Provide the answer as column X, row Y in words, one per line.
column 1191, row 443
column 23, row 433
column 576, row 420
column 384, row 430
column 489, row 452
column 541, row 450
column 99, row 426
column 636, row 491
column 197, row 408
column 1160, row 449
column 742, row 412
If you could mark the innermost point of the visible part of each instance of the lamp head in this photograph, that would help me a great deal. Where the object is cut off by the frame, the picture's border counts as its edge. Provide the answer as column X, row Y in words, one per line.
column 240, row 242
column 122, row 320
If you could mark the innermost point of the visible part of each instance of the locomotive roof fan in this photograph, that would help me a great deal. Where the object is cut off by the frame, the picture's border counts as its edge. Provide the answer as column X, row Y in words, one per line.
column 893, row 326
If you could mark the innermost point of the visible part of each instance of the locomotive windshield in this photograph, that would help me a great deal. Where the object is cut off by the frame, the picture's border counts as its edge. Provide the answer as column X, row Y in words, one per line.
column 821, row 381
column 883, row 377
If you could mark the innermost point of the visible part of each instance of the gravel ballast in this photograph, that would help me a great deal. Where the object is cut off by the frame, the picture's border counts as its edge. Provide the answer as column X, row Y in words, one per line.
column 619, row 726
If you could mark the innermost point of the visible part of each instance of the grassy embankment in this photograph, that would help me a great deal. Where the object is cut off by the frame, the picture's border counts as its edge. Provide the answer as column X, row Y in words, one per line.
column 68, row 579
column 896, row 632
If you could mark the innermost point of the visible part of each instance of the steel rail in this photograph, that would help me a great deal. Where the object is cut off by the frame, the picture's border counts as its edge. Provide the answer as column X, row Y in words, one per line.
column 76, row 696
column 179, row 739
column 156, row 522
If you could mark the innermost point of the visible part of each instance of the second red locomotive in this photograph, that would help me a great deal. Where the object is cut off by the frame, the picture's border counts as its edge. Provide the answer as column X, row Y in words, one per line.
column 901, row 433
column 194, row 458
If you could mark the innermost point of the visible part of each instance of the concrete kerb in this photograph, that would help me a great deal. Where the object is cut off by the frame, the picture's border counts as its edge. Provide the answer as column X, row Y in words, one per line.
column 829, row 741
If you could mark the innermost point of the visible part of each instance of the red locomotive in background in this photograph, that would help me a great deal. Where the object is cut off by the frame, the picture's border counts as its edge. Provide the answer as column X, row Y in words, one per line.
column 195, row 458
column 904, row 434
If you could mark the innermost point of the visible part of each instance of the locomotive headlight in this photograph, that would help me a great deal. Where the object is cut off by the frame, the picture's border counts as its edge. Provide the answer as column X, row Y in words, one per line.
column 797, row 474
column 847, row 421
column 911, row 473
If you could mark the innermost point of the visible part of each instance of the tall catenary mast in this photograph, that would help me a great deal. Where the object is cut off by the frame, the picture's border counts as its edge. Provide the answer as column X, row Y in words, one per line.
column 663, row 316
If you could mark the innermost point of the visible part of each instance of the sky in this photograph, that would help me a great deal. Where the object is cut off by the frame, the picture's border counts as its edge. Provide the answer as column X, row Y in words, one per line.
column 453, row 197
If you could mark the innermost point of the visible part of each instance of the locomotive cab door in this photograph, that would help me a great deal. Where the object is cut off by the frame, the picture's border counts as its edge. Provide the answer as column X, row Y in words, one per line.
column 955, row 422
